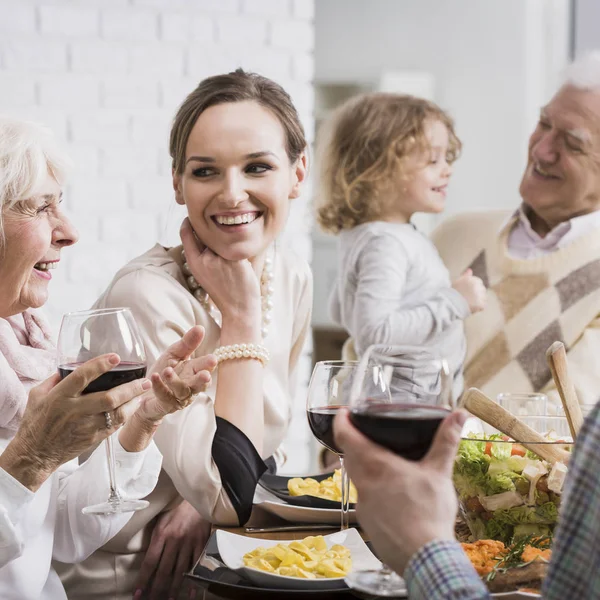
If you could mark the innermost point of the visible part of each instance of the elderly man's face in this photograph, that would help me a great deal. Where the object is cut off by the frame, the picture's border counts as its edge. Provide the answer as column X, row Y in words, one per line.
column 35, row 231
column 562, row 178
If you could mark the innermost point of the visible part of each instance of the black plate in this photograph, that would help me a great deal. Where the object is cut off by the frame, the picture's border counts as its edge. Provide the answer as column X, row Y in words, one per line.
column 213, row 575
column 278, row 486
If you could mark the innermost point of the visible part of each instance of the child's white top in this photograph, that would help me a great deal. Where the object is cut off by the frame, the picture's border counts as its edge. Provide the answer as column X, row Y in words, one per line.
column 393, row 288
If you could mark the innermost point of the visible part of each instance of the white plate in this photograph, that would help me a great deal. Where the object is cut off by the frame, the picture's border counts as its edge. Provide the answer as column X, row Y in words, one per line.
column 232, row 548
column 297, row 514
column 515, row 595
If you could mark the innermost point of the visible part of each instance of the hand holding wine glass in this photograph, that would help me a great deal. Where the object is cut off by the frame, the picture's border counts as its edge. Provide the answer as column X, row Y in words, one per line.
column 399, row 398
column 385, row 481
column 175, row 380
column 59, row 424
column 88, row 334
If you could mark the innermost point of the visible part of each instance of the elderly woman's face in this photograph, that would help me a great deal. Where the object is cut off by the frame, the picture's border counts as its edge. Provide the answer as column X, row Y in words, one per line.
column 35, row 232
column 238, row 179
column 563, row 170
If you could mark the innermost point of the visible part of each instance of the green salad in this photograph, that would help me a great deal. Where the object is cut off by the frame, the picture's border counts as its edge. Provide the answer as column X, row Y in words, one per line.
column 505, row 491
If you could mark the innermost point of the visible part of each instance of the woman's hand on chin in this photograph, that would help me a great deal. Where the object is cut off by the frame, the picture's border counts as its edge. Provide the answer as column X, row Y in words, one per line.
column 232, row 285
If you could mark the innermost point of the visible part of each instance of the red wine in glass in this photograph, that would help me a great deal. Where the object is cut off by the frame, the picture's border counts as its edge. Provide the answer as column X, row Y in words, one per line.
column 320, row 419
column 328, row 392
column 124, row 372
column 399, row 398
column 406, row 429
column 86, row 335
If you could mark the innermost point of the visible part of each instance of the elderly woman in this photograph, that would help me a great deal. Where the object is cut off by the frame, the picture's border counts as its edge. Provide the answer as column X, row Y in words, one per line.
column 238, row 160
column 44, row 422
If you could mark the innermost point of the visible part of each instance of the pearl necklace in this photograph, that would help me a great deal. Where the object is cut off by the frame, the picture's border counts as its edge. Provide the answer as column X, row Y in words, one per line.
column 266, row 293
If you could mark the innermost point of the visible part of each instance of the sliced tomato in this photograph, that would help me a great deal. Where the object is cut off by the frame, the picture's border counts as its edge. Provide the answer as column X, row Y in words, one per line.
column 488, row 448
column 518, row 450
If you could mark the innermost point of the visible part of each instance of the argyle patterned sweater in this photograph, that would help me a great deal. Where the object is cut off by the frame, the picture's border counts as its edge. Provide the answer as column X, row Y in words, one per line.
column 531, row 304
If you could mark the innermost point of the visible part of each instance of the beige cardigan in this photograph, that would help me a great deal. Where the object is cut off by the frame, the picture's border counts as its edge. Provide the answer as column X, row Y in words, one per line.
column 531, row 303
column 154, row 287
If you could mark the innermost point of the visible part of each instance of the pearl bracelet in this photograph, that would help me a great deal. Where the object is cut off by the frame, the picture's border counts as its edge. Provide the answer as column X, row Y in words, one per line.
column 253, row 351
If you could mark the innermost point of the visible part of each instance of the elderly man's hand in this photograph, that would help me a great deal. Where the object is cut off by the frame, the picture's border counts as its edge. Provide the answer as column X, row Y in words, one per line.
column 402, row 505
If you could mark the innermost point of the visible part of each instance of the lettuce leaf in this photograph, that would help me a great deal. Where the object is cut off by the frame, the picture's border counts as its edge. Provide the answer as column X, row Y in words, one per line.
column 545, row 514
column 498, row 530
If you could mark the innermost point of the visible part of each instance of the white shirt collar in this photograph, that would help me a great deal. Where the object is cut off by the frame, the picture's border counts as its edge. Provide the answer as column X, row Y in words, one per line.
column 562, row 235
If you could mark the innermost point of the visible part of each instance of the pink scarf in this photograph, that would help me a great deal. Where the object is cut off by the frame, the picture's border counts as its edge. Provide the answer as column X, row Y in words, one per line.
column 27, row 357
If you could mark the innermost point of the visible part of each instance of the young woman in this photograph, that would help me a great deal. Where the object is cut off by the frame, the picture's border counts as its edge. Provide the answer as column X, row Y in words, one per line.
column 238, row 152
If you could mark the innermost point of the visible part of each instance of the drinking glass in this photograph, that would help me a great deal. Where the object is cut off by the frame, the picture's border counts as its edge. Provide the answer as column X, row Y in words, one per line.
column 85, row 335
column 535, row 410
column 328, row 392
column 400, row 396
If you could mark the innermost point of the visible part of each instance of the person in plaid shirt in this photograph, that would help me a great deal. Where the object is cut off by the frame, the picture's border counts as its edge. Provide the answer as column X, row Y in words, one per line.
column 409, row 508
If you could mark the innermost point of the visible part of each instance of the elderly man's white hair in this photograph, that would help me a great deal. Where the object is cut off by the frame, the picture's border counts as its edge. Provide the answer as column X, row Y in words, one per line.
column 28, row 153
column 584, row 72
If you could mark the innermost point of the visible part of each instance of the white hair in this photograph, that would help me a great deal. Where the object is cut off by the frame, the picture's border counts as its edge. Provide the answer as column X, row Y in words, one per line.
column 584, row 72
column 28, row 153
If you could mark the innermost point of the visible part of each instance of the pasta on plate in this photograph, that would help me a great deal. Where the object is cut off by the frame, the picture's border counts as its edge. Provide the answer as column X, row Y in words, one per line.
column 309, row 558
column 328, row 489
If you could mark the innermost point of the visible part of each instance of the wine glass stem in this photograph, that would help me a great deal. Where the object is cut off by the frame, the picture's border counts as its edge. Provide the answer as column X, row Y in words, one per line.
column 110, row 457
column 345, row 518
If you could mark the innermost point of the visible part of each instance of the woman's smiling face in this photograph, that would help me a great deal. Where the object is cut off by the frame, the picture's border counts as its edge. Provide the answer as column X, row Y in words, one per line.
column 238, row 179
column 35, row 231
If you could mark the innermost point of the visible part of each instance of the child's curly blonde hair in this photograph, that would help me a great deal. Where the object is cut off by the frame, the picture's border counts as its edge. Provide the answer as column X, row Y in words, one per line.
column 365, row 149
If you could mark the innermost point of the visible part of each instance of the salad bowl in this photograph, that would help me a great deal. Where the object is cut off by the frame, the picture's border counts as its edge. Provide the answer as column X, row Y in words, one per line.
column 505, row 491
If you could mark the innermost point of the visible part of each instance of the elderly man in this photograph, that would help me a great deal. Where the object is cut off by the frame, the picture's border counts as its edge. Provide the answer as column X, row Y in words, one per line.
column 543, row 268
column 541, row 264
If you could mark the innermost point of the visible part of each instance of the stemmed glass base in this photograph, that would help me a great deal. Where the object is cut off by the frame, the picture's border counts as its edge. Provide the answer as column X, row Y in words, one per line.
column 379, row 582
column 115, row 504
column 114, row 507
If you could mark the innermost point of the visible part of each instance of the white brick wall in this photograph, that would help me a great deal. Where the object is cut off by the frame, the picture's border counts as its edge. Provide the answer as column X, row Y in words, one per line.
column 107, row 76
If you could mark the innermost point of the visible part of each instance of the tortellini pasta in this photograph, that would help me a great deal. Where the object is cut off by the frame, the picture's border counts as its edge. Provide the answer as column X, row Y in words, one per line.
column 328, row 489
column 309, row 559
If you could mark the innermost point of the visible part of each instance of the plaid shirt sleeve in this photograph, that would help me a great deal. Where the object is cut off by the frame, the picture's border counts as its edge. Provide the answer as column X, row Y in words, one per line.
column 440, row 570
column 574, row 571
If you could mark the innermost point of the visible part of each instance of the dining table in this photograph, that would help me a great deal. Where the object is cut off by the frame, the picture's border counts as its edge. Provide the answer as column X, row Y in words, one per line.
column 260, row 518
column 195, row 588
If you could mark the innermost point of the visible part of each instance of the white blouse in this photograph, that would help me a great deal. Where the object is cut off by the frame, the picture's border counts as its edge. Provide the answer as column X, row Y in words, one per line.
column 36, row 527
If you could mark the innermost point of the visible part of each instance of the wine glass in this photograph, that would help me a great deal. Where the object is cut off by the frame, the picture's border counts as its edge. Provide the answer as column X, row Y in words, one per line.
column 328, row 392
column 85, row 335
column 400, row 396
